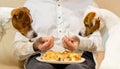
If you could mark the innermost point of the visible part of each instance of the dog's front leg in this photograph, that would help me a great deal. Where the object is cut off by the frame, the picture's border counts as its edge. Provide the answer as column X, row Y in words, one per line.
column 99, row 58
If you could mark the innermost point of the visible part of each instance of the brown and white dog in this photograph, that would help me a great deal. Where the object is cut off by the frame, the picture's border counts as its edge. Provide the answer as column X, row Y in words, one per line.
column 20, row 19
column 91, row 23
column 97, row 19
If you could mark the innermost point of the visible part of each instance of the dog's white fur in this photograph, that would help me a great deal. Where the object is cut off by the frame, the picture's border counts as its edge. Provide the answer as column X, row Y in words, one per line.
column 110, row 31
column 5, row 18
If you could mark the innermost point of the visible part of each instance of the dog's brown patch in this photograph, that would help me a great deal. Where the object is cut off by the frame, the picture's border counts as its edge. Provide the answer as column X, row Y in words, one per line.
column 88, row 22
column 21, row 20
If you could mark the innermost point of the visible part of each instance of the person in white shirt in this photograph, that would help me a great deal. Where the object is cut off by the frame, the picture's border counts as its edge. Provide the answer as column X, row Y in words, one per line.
column 58, row 23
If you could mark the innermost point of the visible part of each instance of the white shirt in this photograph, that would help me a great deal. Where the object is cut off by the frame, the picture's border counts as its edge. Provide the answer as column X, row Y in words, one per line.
column 57, row 18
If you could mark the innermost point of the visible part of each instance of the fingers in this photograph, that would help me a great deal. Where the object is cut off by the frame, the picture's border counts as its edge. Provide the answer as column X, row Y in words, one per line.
column 63, row 42
column 37, row 43
column 74, row 38
column 45, row 46
column 51, row 42
column 45, row 43
column 67, row 43
column 70, row 43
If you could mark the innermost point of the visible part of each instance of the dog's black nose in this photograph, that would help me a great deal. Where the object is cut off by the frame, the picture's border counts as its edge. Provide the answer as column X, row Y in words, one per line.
column 80, row 33
column 35, row 35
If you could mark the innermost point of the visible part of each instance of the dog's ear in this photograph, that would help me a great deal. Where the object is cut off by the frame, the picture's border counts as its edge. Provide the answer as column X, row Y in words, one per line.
column 21, row 8
column 19, row 13
column 97, row 24
column 25, row 9
column 88, row 19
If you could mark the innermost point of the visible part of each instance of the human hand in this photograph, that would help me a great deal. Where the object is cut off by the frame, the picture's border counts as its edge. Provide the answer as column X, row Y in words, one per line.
column 71, row 43
column 43, row 43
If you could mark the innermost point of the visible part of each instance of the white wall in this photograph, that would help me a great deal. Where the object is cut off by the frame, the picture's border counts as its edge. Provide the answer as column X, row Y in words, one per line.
column 113, row 5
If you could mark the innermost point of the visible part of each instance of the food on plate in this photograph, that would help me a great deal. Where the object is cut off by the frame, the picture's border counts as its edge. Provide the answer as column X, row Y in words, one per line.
column 61, row 56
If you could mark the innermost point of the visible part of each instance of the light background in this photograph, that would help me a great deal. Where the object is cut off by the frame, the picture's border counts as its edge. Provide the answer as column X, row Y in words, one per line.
column 7, row 61
column 113, row 5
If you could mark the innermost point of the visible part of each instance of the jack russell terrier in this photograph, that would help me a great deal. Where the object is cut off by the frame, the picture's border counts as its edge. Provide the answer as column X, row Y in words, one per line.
column 20, row 19
column 97, row 19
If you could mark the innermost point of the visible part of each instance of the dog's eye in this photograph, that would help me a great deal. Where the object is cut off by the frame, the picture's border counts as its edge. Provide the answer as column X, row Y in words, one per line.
column 91, row 24
column 86, row 25
column 91, row 33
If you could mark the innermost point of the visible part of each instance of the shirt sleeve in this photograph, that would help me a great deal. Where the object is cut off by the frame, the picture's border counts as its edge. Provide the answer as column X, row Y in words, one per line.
column 91, row 43
column 22, row 48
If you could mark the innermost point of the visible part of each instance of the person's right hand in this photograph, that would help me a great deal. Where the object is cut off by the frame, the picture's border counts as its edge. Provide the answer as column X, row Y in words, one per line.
column 43, row 43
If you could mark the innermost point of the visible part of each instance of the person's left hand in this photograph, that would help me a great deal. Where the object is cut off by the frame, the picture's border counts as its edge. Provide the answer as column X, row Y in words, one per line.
column 71, row 43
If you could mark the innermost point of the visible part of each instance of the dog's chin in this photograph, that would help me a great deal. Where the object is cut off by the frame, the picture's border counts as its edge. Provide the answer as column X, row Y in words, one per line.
column 31, row 35
column 33, row 39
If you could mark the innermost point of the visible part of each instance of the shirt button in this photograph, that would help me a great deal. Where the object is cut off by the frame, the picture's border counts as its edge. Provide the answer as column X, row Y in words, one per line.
column 58, row 4
column 60, row 31
column 59, row 17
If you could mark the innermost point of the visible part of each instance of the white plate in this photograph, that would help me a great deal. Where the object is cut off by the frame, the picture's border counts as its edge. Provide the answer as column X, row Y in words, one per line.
column 60, row 62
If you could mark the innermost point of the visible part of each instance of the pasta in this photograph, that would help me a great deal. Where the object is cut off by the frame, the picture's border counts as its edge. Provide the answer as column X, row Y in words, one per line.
column 58, row 56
